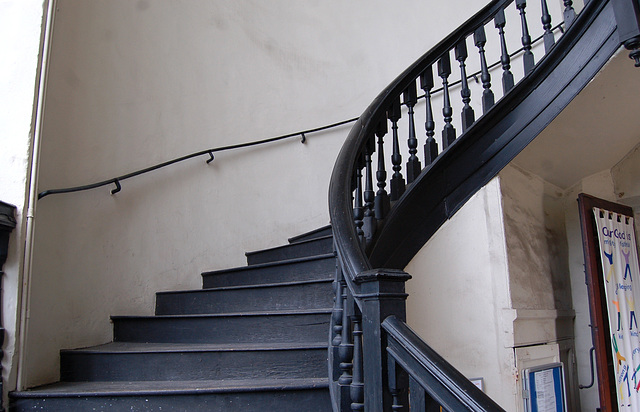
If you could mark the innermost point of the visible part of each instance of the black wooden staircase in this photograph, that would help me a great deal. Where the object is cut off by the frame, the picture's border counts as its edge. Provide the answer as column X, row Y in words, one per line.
column 302, row 328
column 253, row 339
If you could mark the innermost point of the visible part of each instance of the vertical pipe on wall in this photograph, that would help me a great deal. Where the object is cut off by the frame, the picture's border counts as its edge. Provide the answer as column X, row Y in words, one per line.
column 38, row 119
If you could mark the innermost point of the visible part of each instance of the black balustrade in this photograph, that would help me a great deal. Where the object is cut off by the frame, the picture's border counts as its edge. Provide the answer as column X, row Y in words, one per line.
column 373, row 373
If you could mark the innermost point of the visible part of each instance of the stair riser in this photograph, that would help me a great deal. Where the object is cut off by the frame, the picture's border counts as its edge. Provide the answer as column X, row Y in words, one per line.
column 315, row 269
column 309, row 400
column 214, row 365
column 294, row 250
column 301, row 296
column 304, row 328
column 314, row 234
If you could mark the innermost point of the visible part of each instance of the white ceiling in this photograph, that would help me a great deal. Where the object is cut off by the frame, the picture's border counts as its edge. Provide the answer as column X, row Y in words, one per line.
column 598, row 128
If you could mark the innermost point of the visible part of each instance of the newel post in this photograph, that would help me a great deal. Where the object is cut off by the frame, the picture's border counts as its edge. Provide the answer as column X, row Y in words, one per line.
column 7, row 224
column 382, row 294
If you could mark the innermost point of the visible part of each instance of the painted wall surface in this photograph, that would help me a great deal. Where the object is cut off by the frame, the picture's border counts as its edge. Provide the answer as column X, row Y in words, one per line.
column 20, row 30
column 539, row 275
column 134, row 83
column 626, row 183
column 537, row 253
column 459, row 295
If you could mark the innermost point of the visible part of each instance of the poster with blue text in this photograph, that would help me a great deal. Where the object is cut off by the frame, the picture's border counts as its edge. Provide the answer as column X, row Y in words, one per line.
column 619, row 257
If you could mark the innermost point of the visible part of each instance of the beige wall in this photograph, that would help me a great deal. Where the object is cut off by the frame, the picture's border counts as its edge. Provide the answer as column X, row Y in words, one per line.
column 459, row 295
column 20, row 33
column 133, row 83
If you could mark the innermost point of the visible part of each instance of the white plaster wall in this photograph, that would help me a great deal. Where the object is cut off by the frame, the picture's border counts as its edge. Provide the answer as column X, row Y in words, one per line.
column 536, row 243
column 133, row 83
column 20, row 30
column 459, row 295
column 627, row 185
column 539, row 275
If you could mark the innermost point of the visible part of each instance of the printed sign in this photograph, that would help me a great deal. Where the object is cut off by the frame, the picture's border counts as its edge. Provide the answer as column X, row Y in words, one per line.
column 544, row 389
column 619, row 257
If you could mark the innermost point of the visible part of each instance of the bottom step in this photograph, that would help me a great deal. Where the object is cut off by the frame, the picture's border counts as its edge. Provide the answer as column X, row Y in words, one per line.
column 229, row 395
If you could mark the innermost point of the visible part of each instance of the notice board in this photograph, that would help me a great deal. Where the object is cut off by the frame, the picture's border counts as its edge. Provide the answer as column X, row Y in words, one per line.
column 544, row 388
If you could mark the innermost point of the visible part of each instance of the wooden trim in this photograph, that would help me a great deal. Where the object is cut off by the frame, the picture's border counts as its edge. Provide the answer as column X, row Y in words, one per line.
column 597, row 300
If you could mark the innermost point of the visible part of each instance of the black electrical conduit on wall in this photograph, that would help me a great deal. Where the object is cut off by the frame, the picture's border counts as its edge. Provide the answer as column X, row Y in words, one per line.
column 209, row 152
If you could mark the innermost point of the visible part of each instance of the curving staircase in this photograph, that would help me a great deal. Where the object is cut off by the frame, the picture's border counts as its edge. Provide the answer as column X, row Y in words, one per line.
column 255, row 338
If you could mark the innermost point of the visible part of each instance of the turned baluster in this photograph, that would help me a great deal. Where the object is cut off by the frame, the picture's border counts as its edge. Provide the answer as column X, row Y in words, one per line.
column 430, row 146
column 369, row 221
column 358, row 209
column 527, row 57
column 336, row 314
column 488, row 99
column 569, row 13
column 357, row 382
column 410, row 96
column 448, row 132
column 382, row 203
column 547, row 37
column 397, row 384
column 336, row 320
column 397, row 181
column 345, row 353
column 505, row 59
column 468, row 117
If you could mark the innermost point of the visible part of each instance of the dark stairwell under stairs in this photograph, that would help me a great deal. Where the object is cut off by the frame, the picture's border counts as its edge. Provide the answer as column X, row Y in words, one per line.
column 253, row 339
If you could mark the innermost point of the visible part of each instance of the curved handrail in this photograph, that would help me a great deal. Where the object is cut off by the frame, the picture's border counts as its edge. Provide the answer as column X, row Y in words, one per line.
column 485, row 146
column 499, row 137
column 352, row 255
column 116, row 180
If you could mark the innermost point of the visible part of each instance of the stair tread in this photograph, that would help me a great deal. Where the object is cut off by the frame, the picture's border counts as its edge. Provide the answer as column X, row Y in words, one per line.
column 240, row 287
column 235, row 314
column 136, row 388
column 272, row 264
column 144, row 347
